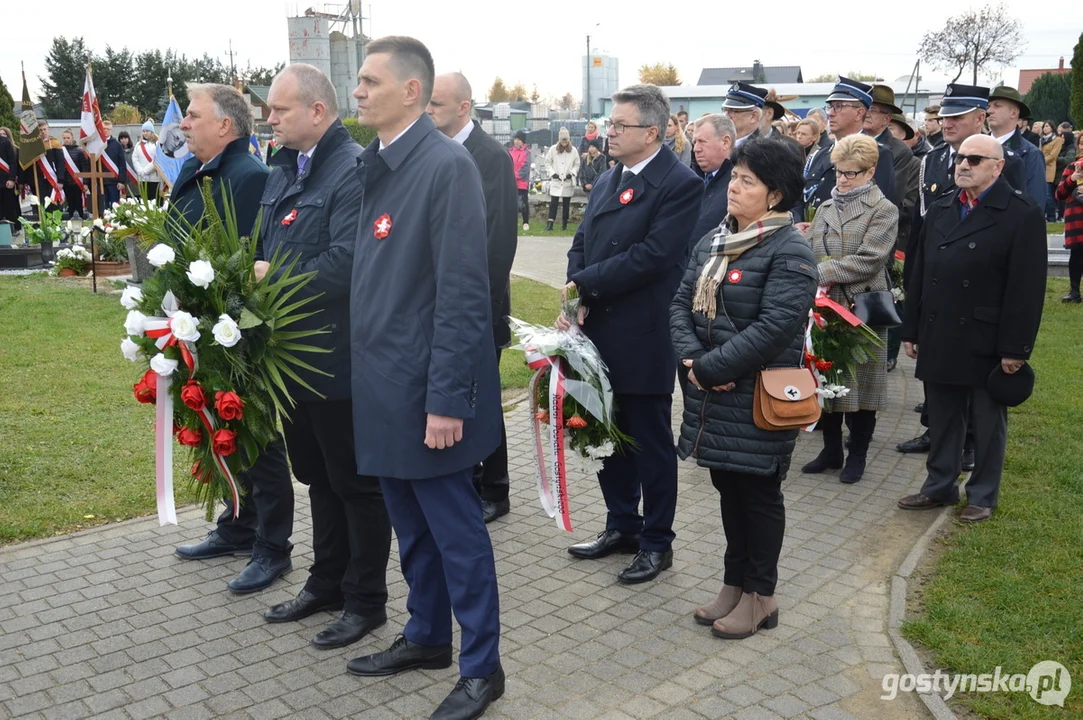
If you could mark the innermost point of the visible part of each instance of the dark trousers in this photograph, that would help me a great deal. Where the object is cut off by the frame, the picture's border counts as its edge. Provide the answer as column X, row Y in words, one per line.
column 74, row 198
column 351, row 532
column 149, row 190
column 524, row 204
column 266, row 517
column 1050, row 202
column 1075, row 266
column 894, row 335
column 447, row 560
column 110, row 195
column 649, row 471
column 968, row 442
column 754, row 519
column 491, row 475
column 949, row 406
column 553, row 200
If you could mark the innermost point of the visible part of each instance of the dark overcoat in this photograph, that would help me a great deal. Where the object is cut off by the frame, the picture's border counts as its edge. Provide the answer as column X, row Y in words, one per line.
column 715, row 203
column 501, row 223
column 627, row 258
column 322, row 205
column 421, row 335
column 760, row 323
column 235, row 171
column 977, row 286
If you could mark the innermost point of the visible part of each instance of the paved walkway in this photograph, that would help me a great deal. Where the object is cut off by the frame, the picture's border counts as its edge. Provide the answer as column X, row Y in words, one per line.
column 109, row 623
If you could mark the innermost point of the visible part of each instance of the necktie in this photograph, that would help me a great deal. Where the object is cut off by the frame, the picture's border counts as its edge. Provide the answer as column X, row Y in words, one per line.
column 707, row 179
column 302, row 160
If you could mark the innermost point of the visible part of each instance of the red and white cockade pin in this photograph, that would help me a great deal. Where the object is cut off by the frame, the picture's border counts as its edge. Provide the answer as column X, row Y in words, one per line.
column 382, row 227
column 735, row 276
column 290, row 218
column 626, row 196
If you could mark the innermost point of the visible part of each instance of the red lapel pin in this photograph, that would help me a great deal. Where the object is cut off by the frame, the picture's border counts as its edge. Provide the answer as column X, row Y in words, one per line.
column 290, row 218
column 735, row 276
column 626, row 196
column 382, row 227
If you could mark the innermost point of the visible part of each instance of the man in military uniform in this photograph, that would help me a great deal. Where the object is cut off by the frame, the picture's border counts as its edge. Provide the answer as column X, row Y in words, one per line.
column 1005, row 109
column 744, row 105
column 847, row 107
column 962, row 114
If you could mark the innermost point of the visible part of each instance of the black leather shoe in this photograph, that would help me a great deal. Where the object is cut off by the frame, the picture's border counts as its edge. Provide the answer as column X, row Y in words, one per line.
column 647, row 565
column 348, row 629
column 607, row 543
column 919, row 408
column 402, row 655
column 211, row 547
column 891, row 363
column 260, row 572
column 968, row 460
column 920, row 444
column 492, row 510
column 300, row 607
column 471, row 697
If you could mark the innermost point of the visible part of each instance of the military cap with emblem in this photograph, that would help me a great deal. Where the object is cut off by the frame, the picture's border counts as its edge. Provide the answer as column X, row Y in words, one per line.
column 900, row 120
column 884, row 95
column 962, row 99
column 742, row 96
column 847, row 90
column 1011, row 95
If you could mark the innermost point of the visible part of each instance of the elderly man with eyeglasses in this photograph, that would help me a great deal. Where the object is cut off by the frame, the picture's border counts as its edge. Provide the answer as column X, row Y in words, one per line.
column 847, row 107
column 976, row 289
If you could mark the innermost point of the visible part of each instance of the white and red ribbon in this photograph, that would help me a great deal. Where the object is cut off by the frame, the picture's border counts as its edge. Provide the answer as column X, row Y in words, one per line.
column 163, row 453
column 73, row 170
column 554, row 500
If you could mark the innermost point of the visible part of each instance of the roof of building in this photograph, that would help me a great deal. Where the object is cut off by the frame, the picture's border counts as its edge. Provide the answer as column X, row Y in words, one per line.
column 730, row 75
column 259, row 94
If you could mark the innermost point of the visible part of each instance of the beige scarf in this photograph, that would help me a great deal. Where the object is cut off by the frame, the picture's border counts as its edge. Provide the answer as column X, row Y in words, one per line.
column 728, row 244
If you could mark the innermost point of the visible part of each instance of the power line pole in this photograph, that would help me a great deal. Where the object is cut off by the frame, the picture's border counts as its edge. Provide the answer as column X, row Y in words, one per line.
column 232, row 67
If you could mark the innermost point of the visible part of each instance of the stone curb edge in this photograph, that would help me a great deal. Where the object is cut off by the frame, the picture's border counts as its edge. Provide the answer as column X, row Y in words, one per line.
column 897, row 613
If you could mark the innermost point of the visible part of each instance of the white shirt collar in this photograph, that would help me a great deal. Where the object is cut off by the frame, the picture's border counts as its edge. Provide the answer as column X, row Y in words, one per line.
column 462, row 135
column 310, row 151
column 382, row 146
column 638, row 167
column 1004, row 138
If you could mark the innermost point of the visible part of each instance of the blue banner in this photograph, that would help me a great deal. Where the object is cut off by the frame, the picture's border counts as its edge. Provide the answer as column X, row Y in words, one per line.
column 172, row 145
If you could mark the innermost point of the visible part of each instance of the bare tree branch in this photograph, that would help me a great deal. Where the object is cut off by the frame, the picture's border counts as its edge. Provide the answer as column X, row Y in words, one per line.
column 978, row 40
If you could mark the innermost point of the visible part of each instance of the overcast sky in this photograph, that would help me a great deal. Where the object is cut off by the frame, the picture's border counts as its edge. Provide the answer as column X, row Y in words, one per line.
column 521, row 43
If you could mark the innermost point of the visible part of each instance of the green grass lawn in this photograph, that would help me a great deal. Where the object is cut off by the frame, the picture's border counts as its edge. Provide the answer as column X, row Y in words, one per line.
column 1054, row 228
column 537, row 227
column 76, row 449
column 1009, row 591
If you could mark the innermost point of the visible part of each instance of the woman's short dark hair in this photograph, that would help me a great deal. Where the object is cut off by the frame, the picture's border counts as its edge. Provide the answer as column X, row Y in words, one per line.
column 124, row 134
column 777, row 164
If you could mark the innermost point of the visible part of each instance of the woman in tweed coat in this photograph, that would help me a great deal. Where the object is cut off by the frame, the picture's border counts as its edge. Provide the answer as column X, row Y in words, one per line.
column 853, row 236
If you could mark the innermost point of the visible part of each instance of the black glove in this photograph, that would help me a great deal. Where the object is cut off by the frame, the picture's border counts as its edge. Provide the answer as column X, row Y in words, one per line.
column 556, row 177
column 568, row 177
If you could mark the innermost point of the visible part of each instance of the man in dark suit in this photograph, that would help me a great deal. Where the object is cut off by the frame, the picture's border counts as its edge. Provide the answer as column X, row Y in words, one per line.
column 111, row 185
column 712, row 144
column 626, row 260
column 976, row 292
column 449, row 109
column 426, row 389
column 1005, row 108
column 314, row 183
column 962, row 115
column 877, row 126
column 217, row 126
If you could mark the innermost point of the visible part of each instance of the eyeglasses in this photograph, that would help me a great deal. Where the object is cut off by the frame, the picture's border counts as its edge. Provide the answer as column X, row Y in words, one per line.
column 879, row 111
column 619, row 127
column 974, row 160
column 850, row 174
column 834, row 107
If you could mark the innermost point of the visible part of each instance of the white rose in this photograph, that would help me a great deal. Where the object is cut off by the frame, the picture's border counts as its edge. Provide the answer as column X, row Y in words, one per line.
column 135, row 323
column 160, row 255
column 200, row 273
column 99, row 224
column 131, row 350
column 131, row 298
column 162, row 365
column 226, row 333
column 184, row 326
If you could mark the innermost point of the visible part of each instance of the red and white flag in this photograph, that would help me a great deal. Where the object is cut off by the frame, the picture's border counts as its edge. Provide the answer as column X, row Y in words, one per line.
column 91, row 130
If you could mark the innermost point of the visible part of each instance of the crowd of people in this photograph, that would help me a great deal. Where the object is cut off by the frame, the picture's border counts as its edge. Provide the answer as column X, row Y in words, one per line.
column 702, row 250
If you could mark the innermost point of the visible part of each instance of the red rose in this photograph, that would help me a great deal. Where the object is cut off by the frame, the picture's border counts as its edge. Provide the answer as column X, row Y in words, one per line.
column 193, row 396
column 200, row 474
column 189, row 436
column 224, row 442
column 229, row 405
column 146, row 390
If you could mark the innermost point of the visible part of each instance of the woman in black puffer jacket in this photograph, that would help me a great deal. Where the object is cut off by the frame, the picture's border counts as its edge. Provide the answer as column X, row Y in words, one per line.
column 742, row 306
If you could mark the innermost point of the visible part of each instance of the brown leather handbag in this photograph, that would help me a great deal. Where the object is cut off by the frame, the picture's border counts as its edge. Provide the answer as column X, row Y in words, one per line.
column 785, row 399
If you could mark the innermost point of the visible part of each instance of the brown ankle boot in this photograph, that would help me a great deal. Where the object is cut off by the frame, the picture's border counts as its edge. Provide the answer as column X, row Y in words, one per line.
column 720, row 607
column 753, row 612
